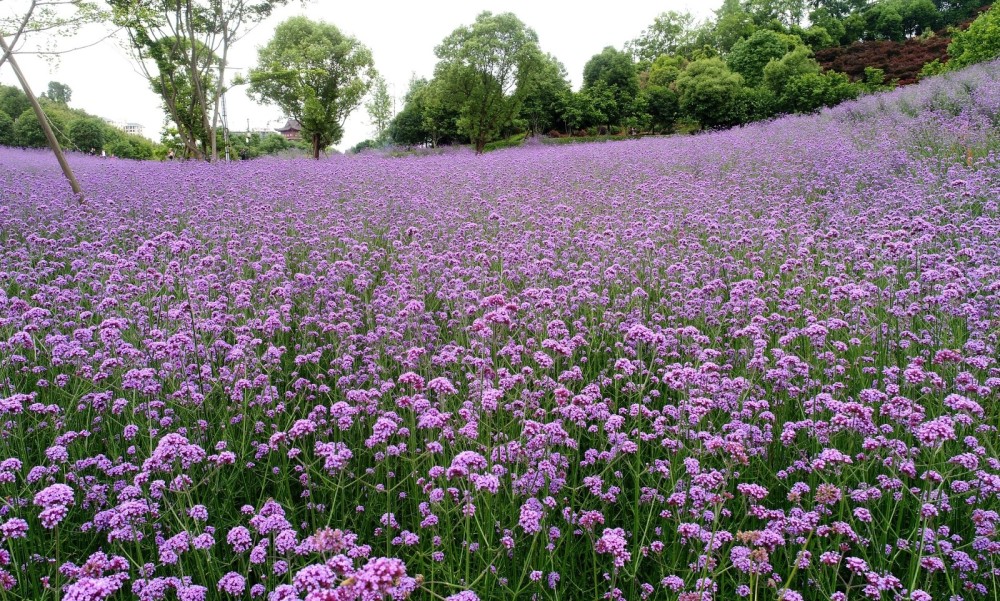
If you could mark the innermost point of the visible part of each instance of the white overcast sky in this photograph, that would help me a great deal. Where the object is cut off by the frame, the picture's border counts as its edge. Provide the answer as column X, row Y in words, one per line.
column 401, row 34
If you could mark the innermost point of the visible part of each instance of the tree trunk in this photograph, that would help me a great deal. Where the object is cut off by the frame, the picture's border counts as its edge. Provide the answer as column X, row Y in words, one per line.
column 316, row 146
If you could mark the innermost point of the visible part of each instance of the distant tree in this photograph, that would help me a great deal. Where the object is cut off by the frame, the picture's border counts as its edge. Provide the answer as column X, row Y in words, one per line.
column 379, row 108
column 785, row 12
column 13, row 101
column 28, row 132
column 952, row 12
column 670, row 32
column 749, row 56
column 884, row 22
column 710, row 93
column 799, row 85
column 979, row 43
column 6, row 130
column 59, row 92
column 732, row 24
column 126, row 146
column 407, row 127
column 612, row 71
column 87, row 133
column 546, row 92
column 315, row 74
column 662, row 105
column 484, row 69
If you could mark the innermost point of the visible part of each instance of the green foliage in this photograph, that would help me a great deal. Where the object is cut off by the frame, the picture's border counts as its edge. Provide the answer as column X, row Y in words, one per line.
column 484, row 70
column 511, row 142
column 13, row 101
column 783, row 12
column 873, row 81
column 749, row 56
column 315, row 74
column 181, row 46
column 612, row 83
column 379, row 108
column 547, row 91
column 28, row 132
column 979, row 43
column 662, row 105
column 180, row 88
column 665, row 70
column 6, row 130
column 87, row 133
column 59, row 92
column 710, row 93
column 126, row 146
column 672, row 32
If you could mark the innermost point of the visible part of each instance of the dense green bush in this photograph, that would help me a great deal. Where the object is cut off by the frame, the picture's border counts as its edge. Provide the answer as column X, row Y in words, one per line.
column 6, row 130
column 979, row 43
column 87, row 134
column 28, row 133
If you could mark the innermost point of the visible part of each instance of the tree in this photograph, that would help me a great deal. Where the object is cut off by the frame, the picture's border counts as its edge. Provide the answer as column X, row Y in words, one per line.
column 732, row 24
column 979, row 43
column 190, row 40
column 87, row 133
column 545, row 96
column 28, row 132
column 710, row 93
column 379, row 108
column 784, row 12
column 13, row 101
column 59, row 92
column 484, row 69
column 749, row 56
column 6, row 130
column 614, row 71
column 670, row 33
column 316, row 75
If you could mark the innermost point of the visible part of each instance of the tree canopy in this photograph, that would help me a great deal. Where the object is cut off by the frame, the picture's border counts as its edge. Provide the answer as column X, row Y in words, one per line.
column 484, row 68
column 315, row 74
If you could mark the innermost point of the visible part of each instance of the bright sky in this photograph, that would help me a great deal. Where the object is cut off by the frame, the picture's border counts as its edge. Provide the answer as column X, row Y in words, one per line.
column 401, row 35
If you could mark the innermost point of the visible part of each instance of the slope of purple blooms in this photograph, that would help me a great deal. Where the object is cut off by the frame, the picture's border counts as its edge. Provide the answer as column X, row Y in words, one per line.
column 754, row 364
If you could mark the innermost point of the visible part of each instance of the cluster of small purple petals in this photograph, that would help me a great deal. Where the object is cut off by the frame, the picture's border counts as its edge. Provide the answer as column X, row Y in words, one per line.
column 755, row 364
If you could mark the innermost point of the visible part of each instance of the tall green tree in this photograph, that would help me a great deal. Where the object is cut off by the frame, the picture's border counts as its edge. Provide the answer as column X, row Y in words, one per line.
column 613, row 71
column 190, row 40
column 87, row 133
column 484, row 68
column 546, row 95
column 379, row 108
column 59, row 92
column 712, row 94
column 670, row 33
column 315, row 74
column 750, row 55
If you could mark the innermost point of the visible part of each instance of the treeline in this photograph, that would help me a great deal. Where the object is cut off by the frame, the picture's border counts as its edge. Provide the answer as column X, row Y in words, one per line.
column 79, row 131
column 755, row 59
column 74, row 128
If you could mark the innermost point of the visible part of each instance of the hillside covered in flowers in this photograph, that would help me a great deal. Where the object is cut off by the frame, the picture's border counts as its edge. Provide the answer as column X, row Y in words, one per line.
column 756, row 364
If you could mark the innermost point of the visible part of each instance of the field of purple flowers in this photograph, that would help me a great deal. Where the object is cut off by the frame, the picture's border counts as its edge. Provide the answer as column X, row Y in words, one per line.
column 754, row 364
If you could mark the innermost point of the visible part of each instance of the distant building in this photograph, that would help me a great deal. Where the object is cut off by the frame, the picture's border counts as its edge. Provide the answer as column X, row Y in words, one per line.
column 290, row 129
column 135, row 129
